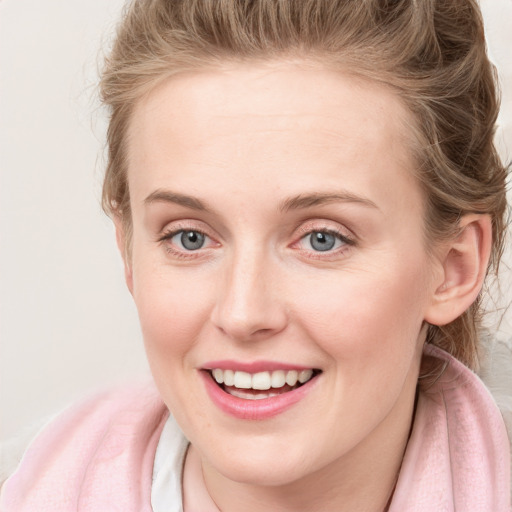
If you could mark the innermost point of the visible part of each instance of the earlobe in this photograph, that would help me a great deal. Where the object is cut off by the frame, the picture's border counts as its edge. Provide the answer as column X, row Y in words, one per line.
column 121, row 245
column 464, row 266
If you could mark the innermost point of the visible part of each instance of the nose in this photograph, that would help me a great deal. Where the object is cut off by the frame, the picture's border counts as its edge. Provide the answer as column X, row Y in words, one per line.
column 249, row 305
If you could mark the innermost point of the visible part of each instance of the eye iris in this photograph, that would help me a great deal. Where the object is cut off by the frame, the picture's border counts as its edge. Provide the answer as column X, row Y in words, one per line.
column 321, row 241
column 192, row 240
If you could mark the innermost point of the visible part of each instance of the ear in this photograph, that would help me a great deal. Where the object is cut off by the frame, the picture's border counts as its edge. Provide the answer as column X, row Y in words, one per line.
column 464, row 261
column 121, row 245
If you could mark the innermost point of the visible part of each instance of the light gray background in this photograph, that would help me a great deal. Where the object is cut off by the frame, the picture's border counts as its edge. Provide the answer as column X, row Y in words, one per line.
column 67, row 323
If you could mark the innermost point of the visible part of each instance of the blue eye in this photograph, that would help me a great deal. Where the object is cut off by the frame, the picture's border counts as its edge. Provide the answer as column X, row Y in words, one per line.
column 323, row 241
column 189, row 240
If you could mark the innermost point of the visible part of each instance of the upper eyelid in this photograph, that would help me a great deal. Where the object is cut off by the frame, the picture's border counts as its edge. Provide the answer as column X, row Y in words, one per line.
column 331, row 231
column 172, row 228
column 170, row 233
column 317, row 225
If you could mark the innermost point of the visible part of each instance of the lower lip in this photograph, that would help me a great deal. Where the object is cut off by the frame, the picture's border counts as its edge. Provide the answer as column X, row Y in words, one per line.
column 254, row 409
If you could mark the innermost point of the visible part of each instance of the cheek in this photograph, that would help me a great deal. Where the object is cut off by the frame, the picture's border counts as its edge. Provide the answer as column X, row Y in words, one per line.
column 173, row 308
column 173, row 311
column 372, row 316
column 369, row 327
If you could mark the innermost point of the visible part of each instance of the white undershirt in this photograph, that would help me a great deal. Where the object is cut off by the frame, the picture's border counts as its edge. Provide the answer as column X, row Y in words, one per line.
column 170, row 454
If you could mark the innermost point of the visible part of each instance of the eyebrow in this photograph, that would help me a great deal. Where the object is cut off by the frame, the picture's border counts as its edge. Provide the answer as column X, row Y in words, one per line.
column 303, row 201
column 299, row 202
column 167, row 196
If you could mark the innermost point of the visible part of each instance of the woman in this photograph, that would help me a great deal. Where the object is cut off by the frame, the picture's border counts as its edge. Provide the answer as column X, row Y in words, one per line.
column 307, row 200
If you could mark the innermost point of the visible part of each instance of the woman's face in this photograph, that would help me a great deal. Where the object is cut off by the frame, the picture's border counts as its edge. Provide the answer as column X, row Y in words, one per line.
column 278, row 231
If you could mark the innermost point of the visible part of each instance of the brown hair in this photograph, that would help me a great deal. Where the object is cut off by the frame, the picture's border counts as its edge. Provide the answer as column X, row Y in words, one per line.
column 432, row 52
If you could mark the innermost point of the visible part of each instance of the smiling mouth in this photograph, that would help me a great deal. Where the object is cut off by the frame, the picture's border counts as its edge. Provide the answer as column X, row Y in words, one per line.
column 261, row 385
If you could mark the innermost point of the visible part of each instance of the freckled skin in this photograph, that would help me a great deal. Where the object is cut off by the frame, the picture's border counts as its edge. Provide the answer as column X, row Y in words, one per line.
column 243, row 140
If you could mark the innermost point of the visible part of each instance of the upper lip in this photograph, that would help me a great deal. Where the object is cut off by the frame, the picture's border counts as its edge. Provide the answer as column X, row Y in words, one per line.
column 253, row 366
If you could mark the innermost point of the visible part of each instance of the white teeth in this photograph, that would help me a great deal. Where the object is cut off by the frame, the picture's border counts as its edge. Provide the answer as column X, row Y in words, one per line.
column 262, row 380
column 243, row 380
column 229, row 377
column 305, row 375
column 247, row 395
column 291, row 378
column 278, row 379
column 218, row 375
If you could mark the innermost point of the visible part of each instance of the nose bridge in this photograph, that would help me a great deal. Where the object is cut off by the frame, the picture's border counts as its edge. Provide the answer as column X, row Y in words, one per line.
column 247, row 304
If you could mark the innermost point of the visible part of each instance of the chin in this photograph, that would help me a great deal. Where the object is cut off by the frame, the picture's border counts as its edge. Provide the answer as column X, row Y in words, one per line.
column 258, row 473
column 269, row 466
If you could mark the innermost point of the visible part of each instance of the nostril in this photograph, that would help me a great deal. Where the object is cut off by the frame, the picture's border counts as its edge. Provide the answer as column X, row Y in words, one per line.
column 242, row 331
column 261, row 332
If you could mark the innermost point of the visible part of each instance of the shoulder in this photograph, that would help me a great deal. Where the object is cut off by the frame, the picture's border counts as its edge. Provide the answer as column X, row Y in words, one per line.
column 98, row 447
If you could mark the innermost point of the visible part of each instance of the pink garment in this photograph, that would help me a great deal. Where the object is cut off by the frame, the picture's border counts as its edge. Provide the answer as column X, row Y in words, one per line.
column 458, row 455
column 98, row 456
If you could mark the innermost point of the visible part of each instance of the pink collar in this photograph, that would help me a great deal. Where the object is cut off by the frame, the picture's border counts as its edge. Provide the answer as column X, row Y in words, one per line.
column 458, row 456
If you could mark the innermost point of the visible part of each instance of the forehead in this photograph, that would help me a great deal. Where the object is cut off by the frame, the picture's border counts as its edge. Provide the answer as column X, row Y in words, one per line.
column 252, row 122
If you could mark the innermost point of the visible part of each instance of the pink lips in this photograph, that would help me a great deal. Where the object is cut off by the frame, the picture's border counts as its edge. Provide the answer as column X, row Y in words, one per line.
column 253, row 409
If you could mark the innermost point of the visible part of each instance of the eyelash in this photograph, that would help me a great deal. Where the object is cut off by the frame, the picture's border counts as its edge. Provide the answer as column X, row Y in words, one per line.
column 308, row 230
column 169, row 234
column 304, row 232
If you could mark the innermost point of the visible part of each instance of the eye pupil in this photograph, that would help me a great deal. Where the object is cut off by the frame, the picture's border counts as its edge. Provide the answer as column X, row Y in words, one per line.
column 321, row 241
column 192, row 240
